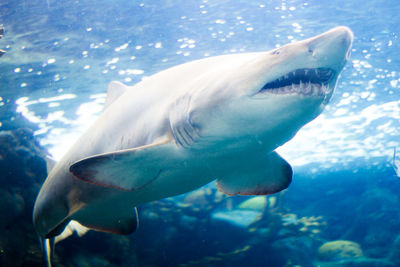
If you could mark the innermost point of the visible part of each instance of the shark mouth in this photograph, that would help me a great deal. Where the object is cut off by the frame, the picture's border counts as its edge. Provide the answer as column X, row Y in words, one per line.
column 313, row 82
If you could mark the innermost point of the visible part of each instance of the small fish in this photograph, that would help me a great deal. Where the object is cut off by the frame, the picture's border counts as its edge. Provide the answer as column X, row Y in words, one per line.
column 396, row 163
column 2, row 52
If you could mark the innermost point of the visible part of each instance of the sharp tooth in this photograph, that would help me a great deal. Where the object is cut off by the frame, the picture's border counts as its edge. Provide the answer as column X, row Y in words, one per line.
column 313, row 91
column 317, row 89
column 305, row 72
column 308, row 90
column 316, row 72
column 324, row 89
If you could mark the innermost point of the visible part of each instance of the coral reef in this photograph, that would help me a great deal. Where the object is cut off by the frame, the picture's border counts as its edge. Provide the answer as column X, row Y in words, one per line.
column 346, row 253
column 359, row 262
column 394, row 255
column 22, row 170
column 254, row 203
column 339, row 250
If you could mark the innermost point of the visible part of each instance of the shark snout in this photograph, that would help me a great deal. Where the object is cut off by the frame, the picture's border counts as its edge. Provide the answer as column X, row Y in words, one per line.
column 48, row 214
column 341, row 35
column 345, row 38
column 333, row 47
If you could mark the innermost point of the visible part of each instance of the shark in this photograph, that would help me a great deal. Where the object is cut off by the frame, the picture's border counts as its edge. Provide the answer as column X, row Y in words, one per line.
column 218, row 118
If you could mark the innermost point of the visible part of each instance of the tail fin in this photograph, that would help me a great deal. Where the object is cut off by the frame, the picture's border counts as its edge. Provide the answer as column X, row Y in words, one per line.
column 48, row 249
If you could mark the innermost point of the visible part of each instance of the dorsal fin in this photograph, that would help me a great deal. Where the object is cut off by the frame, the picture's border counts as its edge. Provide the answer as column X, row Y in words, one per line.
column 50, row 163
column 115, row 90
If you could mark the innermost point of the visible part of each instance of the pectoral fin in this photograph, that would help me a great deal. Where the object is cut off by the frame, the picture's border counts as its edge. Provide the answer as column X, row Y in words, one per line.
column 129, row 169
column 261, row 176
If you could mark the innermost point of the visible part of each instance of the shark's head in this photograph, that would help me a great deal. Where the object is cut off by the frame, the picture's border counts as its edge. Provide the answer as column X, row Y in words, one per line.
column 269, row 96
column 310, row 67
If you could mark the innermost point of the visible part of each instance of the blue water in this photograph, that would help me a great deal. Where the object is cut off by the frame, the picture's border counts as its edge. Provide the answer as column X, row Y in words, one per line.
column 61, row 55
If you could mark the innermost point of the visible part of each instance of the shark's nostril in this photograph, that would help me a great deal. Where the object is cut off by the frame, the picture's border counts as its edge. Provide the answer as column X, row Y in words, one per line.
column 312, row 46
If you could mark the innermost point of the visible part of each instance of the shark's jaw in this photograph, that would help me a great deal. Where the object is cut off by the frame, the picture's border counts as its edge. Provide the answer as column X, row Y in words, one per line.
column 306, row 81
column 308, row 68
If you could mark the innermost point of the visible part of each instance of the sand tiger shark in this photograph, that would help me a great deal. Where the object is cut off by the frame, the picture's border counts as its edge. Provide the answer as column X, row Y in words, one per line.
column 218, row 118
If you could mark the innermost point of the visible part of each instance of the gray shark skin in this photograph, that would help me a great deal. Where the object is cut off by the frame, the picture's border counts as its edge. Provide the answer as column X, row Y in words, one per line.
column 215, row 118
